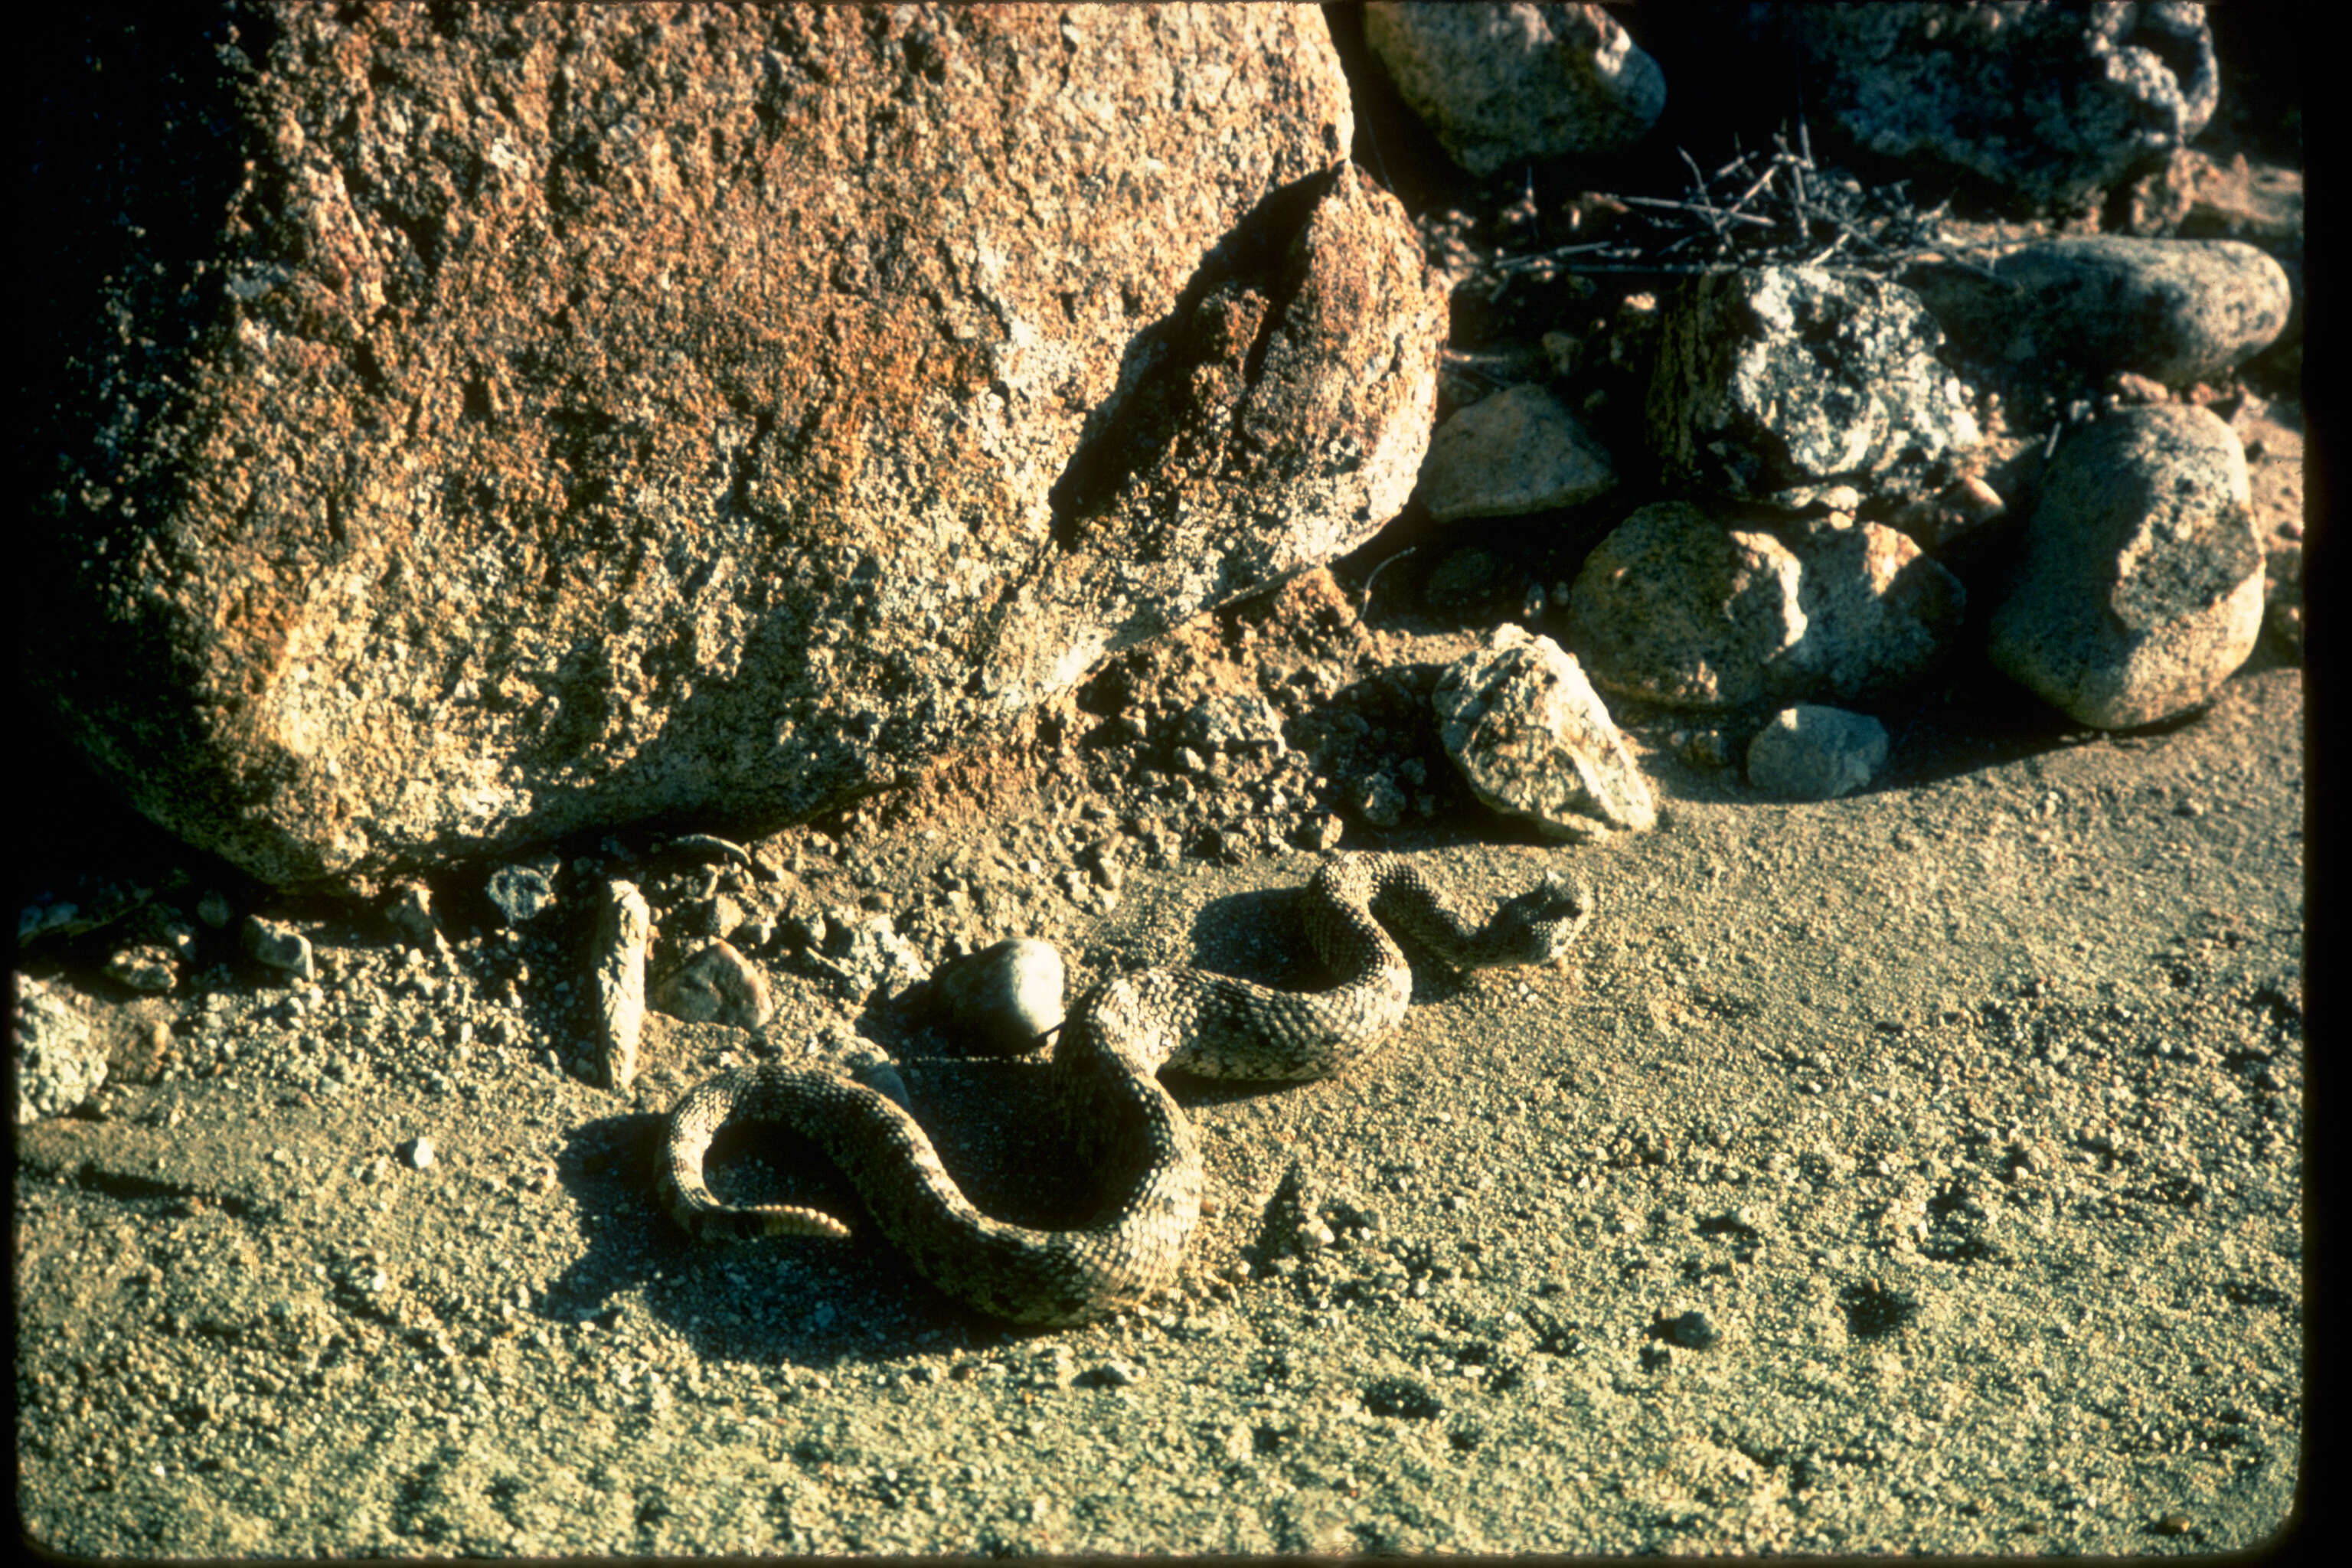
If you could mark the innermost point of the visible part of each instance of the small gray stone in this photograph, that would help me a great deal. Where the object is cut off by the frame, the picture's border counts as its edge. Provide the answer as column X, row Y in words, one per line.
column 2141, row 588
column 1003, row 999
column 215, row 910
column 1695, row 1331
column 279, row 946
column 1499, row 84
column 520, row 892
column 1517, row 452
column 1112, row 1374
column 1810, row 753
column 1534, row 740
column 418, row 1153
column 1381, row 801
column 717, row 985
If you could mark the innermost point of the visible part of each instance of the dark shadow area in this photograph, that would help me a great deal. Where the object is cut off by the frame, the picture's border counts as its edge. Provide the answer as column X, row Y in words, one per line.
column 783, row 1301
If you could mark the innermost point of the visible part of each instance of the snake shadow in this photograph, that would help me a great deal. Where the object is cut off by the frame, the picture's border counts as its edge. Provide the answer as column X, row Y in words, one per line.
column 783, row 1302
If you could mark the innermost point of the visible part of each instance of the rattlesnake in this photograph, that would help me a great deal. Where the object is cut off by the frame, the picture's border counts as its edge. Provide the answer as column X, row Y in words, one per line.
column 1107, row 1057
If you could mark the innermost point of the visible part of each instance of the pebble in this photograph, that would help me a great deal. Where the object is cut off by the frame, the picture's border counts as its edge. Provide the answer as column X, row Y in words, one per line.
column 1003, row 999
column 1517, row 452
column 520, row 892
column 418, row 1153
column 279, row 946
column 717, row 985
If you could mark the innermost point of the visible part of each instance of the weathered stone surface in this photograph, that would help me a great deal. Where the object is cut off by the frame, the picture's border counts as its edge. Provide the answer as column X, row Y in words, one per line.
column 2177, row 310
column 2051, row 102
column 1534, row 741
column 1517, row 452
column 1499, row 84
column 1812, row 752
column 588, row 414
column 617, row 976
column 1003, row 999
column 2141, row 588
column 715, row 985
column 1784, row 384
column 58, row 1057
column 867, row 956
column 1679, row 608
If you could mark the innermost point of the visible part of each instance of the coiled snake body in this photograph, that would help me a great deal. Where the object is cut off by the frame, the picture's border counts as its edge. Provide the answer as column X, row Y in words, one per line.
column 1107, row 1057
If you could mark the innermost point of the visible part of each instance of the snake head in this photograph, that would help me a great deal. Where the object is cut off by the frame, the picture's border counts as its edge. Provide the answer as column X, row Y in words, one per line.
column 1538, row 926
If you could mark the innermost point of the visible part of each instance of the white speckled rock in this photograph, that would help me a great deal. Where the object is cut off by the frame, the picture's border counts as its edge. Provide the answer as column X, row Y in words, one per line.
column 2141, row 586
column 1783, row 385
column 2048, row 100
column 59, row 1058
column 1534, row 741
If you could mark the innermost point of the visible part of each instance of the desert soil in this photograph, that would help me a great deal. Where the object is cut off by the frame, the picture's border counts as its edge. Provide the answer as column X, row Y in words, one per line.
column 1918, row 1171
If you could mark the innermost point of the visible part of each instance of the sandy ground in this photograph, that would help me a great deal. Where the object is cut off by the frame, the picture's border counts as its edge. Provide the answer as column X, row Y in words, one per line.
column 1920, row 1170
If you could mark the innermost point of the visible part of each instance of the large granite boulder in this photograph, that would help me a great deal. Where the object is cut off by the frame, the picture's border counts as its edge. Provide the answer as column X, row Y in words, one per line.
column 478, row 424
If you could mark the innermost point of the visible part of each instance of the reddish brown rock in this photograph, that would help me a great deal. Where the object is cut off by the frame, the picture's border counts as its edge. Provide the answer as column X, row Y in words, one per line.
column 480, row 424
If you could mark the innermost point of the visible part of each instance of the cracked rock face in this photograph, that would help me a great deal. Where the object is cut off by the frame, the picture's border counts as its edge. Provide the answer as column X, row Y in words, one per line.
column 2141, row 589
column 509, row 421
column 1784, row 384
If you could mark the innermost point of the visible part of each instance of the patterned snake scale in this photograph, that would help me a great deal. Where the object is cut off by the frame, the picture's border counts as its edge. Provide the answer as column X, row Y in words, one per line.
column 1106, row 1059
